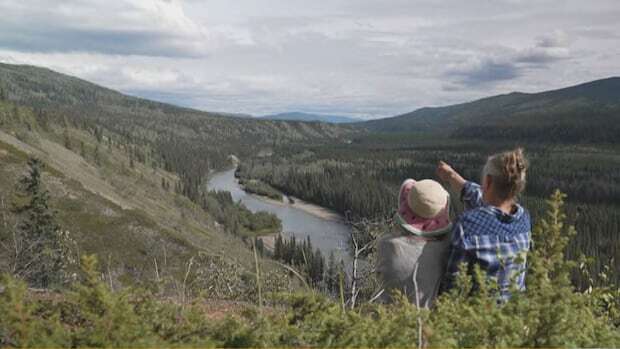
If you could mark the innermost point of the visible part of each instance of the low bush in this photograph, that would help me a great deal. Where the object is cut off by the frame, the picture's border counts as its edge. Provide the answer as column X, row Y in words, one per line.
column 550, row 313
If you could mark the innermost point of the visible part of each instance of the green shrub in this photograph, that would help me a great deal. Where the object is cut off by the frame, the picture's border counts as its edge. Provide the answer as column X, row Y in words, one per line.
column 550, row 313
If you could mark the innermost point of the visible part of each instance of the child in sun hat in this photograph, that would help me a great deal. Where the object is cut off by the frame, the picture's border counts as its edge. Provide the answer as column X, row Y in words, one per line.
column 417, row 248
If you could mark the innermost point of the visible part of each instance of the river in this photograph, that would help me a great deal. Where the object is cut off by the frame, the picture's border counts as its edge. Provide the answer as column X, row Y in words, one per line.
column 326, row 232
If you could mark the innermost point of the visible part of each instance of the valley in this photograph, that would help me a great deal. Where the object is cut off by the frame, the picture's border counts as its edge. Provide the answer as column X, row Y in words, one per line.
column 301, row 220
column 309, row 174
column 160, row 221
column 155, row 159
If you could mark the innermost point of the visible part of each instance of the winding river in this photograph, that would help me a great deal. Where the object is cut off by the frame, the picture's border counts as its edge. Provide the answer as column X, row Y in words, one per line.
column 327, row 232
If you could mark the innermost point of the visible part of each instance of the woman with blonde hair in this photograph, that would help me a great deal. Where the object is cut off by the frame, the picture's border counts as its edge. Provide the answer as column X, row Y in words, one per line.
column 494, row 231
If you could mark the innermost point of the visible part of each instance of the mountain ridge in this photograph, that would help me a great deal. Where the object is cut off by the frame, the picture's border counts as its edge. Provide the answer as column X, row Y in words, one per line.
column 301, row 116
column 596, row 101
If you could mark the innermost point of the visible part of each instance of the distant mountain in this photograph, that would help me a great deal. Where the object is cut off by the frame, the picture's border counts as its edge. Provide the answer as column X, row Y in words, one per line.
column 585, row 112
column 298, row 116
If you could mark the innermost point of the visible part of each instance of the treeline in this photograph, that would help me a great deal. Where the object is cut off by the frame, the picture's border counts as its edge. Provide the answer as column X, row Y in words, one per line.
column 258, row 187
column 362, row 180
column 187, row 142
column 323, row 275
column 340, row 187
column 190, row 159
column 586, row 132
column 238, row 219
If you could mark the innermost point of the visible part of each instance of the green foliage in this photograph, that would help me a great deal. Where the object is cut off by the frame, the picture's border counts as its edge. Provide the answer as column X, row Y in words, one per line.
column 550, row 313
column 258, row 187
column 361, row 181
column 103, row 318
column 584, row 113
column 21, row 323
column 42, row 251
column 313, row 162
column 237, row 218
column 305, row 259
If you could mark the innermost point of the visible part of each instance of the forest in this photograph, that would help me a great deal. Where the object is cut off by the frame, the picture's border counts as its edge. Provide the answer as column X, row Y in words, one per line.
column 361, row 181
column 293, row 295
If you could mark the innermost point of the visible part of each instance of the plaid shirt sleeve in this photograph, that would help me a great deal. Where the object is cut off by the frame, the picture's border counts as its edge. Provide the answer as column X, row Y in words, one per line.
column 458, row 254
column 471, row 195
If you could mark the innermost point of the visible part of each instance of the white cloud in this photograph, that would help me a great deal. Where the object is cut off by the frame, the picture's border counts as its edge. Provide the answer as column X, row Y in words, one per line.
column 357, row 57
column 145, row 27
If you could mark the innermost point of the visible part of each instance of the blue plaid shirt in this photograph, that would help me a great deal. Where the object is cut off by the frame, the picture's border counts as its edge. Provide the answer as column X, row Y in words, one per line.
column 498, row 242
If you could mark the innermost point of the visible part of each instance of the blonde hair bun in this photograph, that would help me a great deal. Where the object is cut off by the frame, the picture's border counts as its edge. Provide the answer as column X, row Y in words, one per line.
column 508, row 170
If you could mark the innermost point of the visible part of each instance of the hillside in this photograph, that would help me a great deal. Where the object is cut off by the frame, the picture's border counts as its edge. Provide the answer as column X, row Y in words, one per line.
column 126, row 176
column 588, row 112
column 111, row 208
column 43, row 88
column 297, row 116
column 187, row 142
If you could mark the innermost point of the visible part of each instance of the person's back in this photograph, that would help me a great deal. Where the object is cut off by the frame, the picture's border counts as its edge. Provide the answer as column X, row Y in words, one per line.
column 494, row 231
column 417, row 248
column 401, row 259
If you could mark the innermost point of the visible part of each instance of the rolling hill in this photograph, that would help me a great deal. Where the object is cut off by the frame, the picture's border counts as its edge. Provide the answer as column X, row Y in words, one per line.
column 126, row 175
column 588, row 112
column 297, row 116
column 43, row 88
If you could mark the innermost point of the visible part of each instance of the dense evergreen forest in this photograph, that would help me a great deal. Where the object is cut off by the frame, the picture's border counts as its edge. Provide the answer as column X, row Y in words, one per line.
column 340, row 167
column 585, row 113
column 362, row 179
column 187, row 142
column 353, row 169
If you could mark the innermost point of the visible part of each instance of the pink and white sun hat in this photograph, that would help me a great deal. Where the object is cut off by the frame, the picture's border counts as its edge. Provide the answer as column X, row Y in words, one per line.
column 424, row 208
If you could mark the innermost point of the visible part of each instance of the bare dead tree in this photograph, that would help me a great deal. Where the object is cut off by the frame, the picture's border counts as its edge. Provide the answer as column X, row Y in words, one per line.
column 109, row 269
column 358, row 250
column 363, row 237
column 189, row 268
column 157, row 277
column 417, row 304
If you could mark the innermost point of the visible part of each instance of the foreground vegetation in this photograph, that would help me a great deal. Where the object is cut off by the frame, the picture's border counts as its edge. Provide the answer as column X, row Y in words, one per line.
column 549, row 314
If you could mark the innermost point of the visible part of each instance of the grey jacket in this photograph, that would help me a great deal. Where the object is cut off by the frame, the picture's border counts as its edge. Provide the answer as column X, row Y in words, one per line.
column 398, row 256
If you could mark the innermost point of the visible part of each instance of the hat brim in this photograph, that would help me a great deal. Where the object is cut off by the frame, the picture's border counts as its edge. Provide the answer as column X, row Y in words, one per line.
column 408, row 220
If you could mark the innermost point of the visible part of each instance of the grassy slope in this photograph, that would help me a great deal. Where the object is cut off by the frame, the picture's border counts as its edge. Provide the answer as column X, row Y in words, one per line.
column 118, row 212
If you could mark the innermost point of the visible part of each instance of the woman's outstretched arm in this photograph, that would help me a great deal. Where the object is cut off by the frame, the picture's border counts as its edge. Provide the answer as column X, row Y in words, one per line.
column 447, row 174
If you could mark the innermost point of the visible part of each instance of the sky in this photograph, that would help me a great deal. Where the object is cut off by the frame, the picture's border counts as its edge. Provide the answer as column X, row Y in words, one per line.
column 358, row 58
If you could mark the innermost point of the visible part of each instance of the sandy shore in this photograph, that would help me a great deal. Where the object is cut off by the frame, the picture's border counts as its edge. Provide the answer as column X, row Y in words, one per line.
column 315, row 210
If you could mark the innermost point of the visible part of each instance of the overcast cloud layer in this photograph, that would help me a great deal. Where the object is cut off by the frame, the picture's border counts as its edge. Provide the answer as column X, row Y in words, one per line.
column 354, row 57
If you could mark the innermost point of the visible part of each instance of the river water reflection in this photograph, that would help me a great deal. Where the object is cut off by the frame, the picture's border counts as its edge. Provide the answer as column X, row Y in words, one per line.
column 326, row 234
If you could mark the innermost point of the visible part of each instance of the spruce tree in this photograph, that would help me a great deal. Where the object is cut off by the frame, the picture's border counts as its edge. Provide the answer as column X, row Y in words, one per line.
column 40, row 259
column 97, row 155
column 278, row 250
column 331, row 276
column 318, row 267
